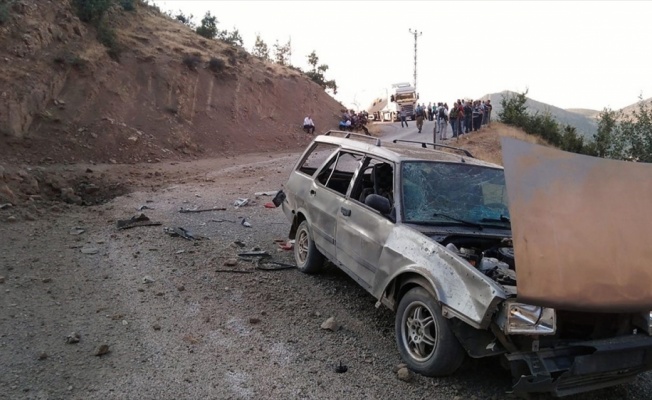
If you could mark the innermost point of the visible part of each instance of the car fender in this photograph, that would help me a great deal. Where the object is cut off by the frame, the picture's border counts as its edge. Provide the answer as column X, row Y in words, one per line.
column 463, row 291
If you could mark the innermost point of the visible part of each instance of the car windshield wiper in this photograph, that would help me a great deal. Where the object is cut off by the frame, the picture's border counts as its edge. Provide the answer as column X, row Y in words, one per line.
column 461, row 221
column 501, row 219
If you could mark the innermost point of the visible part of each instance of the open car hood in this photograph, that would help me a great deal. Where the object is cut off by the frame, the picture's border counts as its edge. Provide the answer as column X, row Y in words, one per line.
column 582, row 229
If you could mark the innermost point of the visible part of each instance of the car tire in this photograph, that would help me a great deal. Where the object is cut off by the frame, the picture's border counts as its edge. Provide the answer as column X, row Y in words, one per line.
column 424, row 337
column 309, row 260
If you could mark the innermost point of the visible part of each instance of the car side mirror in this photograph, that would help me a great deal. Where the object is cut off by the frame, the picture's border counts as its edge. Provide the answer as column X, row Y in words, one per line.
column 378, row 203
column 391, row 98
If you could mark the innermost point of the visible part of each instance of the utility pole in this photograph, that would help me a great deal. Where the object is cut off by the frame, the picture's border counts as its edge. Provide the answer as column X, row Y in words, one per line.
column 416, row 34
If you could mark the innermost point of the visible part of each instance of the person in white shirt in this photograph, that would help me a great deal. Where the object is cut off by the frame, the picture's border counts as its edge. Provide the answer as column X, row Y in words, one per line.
column 308, row 125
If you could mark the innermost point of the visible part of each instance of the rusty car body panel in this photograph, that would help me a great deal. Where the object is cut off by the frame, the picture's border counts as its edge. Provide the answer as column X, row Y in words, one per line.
column 581, row 228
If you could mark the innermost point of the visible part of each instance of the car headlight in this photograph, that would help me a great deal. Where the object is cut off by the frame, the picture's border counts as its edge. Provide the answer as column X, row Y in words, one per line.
column 525, row 319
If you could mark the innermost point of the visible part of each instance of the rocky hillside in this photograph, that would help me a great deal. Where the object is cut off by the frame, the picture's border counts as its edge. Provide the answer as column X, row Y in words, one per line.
column 169, row 94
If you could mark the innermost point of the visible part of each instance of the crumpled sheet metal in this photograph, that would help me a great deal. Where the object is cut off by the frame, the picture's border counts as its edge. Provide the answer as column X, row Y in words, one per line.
column 582, row 229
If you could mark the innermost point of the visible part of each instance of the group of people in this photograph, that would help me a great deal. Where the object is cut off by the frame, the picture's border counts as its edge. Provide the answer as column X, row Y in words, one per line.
column 350, row 121
column 463, row 116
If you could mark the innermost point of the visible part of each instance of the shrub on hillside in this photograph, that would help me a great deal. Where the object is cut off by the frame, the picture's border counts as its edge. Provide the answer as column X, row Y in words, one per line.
column 106, row 36
column 128, row 5
column 5, row 10
column 91, row 10
column 191, row 61
column 216, row 64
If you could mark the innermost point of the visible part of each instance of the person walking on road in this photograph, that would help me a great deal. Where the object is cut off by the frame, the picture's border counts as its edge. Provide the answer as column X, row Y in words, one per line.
column 420, row 113
column 403, row 117
column 442, row 120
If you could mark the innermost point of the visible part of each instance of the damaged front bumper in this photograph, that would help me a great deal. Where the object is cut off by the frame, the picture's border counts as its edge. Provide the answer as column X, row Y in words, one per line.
column 582, row 366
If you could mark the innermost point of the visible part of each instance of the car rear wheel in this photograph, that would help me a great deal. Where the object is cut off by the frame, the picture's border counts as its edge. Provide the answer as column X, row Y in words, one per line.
column 423, row 335
column 309, row 260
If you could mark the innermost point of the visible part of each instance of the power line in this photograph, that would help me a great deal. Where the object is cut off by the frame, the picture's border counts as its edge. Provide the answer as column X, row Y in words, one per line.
column 416, row 34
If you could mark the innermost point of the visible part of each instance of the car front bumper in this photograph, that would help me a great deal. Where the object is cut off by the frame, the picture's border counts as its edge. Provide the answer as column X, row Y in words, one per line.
column 581, row 366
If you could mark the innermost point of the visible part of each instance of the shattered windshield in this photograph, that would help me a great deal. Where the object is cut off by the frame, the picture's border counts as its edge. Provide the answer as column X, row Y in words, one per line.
column 451, row 194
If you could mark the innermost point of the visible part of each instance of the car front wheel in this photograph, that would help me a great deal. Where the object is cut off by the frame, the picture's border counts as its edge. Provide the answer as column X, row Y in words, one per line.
column 423, row 335
column 309, row 260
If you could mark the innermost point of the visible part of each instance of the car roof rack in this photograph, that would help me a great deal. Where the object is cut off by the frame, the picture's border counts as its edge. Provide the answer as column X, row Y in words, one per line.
column 434, row 146
column 347, row 135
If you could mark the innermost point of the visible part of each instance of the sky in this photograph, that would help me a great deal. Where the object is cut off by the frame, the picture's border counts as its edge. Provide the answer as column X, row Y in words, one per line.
column 570, row 54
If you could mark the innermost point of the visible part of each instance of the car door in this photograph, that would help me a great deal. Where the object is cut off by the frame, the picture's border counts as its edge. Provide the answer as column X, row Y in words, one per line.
column 326, row 194
column 361, row 230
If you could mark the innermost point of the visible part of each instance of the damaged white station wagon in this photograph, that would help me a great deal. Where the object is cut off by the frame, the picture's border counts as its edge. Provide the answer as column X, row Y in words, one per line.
column 428, row 233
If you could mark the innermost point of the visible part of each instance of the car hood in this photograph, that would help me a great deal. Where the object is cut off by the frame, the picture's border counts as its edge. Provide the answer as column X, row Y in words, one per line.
column 581, row 227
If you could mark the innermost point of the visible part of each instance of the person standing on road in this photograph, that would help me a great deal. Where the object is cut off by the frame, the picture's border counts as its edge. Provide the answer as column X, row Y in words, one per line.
column 452, row 117
column 419, row 112
column 308, row 125
column 442, row 120
column 403, row 116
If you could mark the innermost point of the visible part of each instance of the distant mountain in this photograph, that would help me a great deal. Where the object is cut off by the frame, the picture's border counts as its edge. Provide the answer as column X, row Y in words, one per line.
column 583, row 120
column 634, row 107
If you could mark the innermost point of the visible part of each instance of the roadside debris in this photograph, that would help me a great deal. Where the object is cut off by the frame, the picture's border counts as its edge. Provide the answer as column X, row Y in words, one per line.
column 148, row 279
column 198, row 210
column 238, row 243
column 341, row 368
column 330, row 324
column 101, row 350
column 221, row 220
column 245, row 223
column 140, row 220
column 90, row 250
column 5, row 205
column 287, row 246
column 270, row 205
column 73, row 338
column 274, row 266
column 143, row 207
column 241, row 202
column 404, row 374
column 254, row 253
column 269, row 193
column 182, row 232
column 77, row 231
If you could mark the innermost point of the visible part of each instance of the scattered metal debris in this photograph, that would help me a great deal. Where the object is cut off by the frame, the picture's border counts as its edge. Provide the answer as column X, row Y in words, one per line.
column 269, row 193
column 241, row 202
column 198, row 210
column 236, row 271
column 140, row 220
column 182, row 232
column 5, row 205
column 144, row 207
column 270, row 205
column 90, row 250
column 254, row 253
column 245, row 223
column 221, row 220
column 274, row 266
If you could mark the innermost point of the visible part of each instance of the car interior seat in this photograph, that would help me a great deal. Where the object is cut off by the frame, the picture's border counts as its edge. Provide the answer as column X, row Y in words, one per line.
column 383, row 176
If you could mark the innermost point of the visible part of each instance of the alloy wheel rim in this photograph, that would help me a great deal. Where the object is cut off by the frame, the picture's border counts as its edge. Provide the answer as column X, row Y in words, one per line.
column 302, row 246
column 418, row 331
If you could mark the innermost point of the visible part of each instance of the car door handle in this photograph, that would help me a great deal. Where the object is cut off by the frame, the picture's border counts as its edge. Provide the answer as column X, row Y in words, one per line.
column 345, row 211
column 312, row 192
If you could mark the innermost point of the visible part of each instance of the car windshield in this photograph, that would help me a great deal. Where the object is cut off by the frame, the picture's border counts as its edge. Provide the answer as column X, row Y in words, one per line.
column 405, row 96
column 452, row 194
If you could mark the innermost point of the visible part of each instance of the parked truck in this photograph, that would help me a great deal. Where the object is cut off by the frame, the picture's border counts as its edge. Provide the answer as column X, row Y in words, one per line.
column 400, row 96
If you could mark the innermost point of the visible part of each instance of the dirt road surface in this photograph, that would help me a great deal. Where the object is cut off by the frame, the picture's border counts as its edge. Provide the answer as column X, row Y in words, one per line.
column 88, row 311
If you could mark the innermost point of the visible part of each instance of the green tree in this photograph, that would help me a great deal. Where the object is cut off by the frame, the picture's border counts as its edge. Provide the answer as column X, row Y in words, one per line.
column 571, row 141
column 185, row 19
column 232, row 38
column 636, row 134
column 208, row 26
column 317, row 73
column 282, row 53
column 605, row 138
column 260, row 49
column 514, row 110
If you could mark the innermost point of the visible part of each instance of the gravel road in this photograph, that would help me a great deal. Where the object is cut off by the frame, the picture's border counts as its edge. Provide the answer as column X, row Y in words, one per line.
column 139, row 314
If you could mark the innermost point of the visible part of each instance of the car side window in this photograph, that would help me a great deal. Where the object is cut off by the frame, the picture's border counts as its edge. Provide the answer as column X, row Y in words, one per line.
column 316, row 157
column 338, row 173
column 376, row 177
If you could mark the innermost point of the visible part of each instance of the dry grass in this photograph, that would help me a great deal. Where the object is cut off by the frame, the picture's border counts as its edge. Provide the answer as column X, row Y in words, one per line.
column 485, row 145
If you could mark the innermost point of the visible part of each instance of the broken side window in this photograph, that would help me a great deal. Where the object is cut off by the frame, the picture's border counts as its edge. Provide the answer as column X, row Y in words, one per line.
column 338, row 173
column 316, row 157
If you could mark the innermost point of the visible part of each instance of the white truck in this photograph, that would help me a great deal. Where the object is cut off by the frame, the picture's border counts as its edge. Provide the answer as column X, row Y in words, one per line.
column 400, row 96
